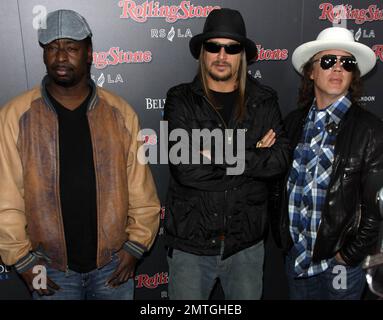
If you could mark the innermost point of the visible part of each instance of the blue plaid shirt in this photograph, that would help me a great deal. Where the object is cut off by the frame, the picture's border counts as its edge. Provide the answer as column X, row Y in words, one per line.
column 308, row 181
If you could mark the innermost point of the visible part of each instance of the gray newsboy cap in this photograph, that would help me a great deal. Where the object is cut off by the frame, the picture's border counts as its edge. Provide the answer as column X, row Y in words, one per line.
column 64, row 24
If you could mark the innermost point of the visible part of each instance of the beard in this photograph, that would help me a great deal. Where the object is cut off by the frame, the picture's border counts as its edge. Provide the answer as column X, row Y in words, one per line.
column 225, row 76
column 66, row 83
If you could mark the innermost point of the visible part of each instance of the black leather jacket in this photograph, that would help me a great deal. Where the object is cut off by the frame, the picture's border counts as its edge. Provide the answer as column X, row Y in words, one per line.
column 204, row 204
column 350, row 217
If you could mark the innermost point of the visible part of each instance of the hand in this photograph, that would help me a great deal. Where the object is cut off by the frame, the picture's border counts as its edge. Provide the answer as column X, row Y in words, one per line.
column 124, row 270
column 268, row 140
column 339, row 259
column 28, row 277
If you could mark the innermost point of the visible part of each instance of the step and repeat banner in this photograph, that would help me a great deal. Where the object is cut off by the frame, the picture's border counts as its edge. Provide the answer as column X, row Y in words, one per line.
column 141, row 49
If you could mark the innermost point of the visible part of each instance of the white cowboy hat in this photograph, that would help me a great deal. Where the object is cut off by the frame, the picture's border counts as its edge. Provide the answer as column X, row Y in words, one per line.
column 335, row 38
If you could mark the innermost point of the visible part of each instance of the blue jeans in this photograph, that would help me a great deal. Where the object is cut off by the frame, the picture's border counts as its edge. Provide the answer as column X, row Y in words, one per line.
column 338, row 282
column 192, row 277
column 88, row 286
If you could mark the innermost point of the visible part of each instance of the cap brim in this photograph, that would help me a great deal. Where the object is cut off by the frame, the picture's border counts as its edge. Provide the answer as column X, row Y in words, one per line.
column 44, row 41
column 364, row 55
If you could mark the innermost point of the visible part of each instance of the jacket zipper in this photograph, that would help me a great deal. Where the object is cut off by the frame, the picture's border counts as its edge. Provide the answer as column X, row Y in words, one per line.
column 224, row 216
column 211, row 106
column 230, row 141
column 58, row 196
column 229, row 138
column 97, row 197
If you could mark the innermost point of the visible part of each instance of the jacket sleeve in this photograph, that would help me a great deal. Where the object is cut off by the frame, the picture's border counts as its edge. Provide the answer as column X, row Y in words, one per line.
column 277, row 206
column 269, row 162
column 144, row 206
column 365, row 240
column 274, row 209
column 207, row 177
column 15, row 245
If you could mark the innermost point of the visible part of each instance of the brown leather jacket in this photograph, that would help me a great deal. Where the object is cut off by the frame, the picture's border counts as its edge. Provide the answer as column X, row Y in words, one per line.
column 30, row 217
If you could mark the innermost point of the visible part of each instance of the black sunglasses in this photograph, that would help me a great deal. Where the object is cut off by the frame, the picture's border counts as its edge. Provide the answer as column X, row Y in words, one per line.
column 214, row 47
column 329, row 60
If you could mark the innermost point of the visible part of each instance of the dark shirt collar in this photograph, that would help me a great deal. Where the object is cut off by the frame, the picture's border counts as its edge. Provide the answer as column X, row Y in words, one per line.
column 92, row 101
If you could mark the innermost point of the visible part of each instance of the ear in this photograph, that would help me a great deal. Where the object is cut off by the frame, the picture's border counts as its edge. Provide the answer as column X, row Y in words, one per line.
column 311, row 74
column 44, row 56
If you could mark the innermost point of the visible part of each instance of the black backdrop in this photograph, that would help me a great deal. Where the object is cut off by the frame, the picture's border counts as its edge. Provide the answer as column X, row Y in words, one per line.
column 153, row 38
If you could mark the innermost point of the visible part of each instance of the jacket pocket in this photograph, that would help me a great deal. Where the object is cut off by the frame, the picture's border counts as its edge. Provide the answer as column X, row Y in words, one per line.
column 352, row 168
column 351, row 228
column 254, row 220
column 182, row 218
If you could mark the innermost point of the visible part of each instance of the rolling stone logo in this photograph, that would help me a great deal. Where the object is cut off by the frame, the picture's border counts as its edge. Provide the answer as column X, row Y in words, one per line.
column 272, row 55
column 347, row 12
column 145, row 281
column 153, row 9
column 378, row 49
column 162, row 213
column 115, row 56
column 150, row 139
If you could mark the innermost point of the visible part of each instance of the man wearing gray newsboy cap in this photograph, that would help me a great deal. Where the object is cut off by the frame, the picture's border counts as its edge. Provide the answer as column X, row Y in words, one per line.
column 74, row 199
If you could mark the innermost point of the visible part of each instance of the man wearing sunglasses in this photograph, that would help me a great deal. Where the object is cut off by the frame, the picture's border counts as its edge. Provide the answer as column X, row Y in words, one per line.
column 215, row 222
column 329, row 220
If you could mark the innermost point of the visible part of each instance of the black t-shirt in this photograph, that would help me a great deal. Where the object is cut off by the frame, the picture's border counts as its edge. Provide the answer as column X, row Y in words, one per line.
column 77, row 186
column 225, row 103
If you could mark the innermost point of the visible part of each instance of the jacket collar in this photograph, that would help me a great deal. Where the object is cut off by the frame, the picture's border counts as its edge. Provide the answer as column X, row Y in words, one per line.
column 92, row 101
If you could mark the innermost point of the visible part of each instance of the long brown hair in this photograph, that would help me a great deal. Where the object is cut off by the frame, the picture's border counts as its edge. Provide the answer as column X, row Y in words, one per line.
column 306, row 90
column 241, row 79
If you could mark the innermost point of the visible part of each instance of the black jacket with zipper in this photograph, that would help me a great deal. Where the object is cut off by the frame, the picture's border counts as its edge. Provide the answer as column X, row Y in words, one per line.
column 350, row 217
column 205, row 205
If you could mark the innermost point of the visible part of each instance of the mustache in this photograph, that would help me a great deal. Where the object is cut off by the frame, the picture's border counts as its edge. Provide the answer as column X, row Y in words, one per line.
column 217, row 62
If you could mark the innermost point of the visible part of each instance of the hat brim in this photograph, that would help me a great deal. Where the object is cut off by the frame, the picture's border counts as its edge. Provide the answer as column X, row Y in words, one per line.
column 197, row 41
column 364, row 55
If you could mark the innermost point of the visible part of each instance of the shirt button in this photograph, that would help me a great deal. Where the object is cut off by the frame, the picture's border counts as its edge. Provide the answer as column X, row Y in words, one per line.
column 215, row 214
column 212, row 241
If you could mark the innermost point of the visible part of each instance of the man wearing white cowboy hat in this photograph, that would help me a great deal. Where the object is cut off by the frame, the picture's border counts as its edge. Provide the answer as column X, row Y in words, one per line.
column 329, row 221
column 215, row 223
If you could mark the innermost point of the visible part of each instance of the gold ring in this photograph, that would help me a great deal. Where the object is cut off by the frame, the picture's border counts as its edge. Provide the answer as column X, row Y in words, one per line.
column 259, row 144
